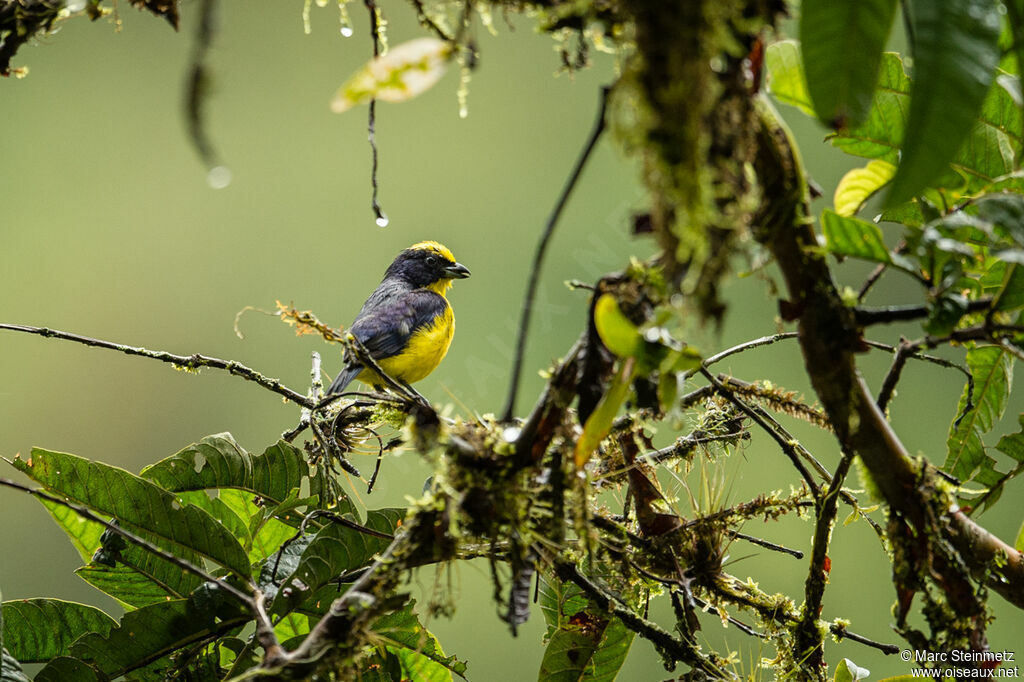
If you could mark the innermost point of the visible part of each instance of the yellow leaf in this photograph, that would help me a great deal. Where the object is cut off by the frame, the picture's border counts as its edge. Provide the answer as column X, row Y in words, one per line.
column 617, row 333
column 404, row 72
column 599, row 424
column 859, row 184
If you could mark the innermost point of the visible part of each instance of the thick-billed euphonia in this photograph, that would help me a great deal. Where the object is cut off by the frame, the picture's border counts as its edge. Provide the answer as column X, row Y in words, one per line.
column 407, row 323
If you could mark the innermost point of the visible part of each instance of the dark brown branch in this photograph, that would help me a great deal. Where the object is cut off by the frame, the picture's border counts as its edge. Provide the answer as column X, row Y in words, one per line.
column 904, row 313
column 187, row 362
column 542, row 247
column 761, row 542
column 841, row 632
column 810, row 647
column 830, row 338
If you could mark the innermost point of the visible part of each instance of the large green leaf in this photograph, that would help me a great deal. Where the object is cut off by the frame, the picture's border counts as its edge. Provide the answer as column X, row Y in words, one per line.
column 37, row 630
column 417, row 649
column 842, row 42
column 956, row 50
column 147, row 635
column 599, row 423
column 992, row 369
column 584, row 643
column 334, row 550
column 67, row 669
column 219, row 462
column 985, row 155
column 786, row 79
column 140, row 577
column 136, row 503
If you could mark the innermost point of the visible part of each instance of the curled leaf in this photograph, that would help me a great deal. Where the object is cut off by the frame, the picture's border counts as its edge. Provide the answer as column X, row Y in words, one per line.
column 859, row 184
column 405, row 71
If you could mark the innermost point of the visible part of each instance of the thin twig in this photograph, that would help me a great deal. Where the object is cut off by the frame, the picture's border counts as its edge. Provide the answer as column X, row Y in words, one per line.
column 755, row 343
column 371, row 125
column 87, row 514
column 187, row 362
column 766, row 544
column 786, row 446
column 542, row 245
column 198, row 86
column 740, row 625
column 842, row 633
column 425, row 19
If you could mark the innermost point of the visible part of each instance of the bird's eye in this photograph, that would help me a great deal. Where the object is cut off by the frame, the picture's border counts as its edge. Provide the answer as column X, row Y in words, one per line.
column 431, row 260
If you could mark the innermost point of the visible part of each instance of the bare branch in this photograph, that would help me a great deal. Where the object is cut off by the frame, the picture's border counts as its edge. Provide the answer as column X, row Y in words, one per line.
column 187, row 362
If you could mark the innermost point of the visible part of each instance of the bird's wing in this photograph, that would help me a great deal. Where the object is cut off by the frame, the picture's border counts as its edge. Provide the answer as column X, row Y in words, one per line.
column 385, row 330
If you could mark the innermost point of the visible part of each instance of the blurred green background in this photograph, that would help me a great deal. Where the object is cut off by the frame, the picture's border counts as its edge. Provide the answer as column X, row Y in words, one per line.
column 109, row 229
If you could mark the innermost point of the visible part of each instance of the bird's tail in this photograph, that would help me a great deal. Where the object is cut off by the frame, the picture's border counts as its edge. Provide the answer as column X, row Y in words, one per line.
column 344, row 378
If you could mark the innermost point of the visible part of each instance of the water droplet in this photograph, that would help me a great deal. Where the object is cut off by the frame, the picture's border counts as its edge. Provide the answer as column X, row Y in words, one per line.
column 511, row 434
column 382, row 221
column 75, row 5
column 219, row 177
column 346, row 31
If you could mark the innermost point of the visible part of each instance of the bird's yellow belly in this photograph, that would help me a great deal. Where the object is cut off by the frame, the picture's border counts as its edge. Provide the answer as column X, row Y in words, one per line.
column 421, row 356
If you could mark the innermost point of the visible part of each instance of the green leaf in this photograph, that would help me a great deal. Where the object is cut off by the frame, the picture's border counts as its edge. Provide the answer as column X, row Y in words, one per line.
column 1005, row 283
column 137, row 503
column 219, row 462
column 147, row 635
column 36, row 630
column 986, row 155
column 84, row 534
column 140, row 577
column 842, row 42
column 848, row 671
column 599, row 423
column 418, row 651
column 67, row 669
column 854, row 237
column 10, row 669
column 859, row 185
column 334, row 550
column 879, row 136
column 268, row 532
column 956, row 50
column 992, row 369
column 786, row 79
column 1019, row 544
column 584, row 643
column 400, row 74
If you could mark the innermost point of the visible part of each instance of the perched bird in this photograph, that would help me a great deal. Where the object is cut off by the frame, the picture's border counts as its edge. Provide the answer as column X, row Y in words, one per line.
column 406, row 324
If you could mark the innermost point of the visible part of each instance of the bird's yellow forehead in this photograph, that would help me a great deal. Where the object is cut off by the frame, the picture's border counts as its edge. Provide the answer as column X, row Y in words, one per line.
column 436, row 247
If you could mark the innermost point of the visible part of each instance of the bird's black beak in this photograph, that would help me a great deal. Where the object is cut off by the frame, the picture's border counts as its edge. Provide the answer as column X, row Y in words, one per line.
column 457, row 271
